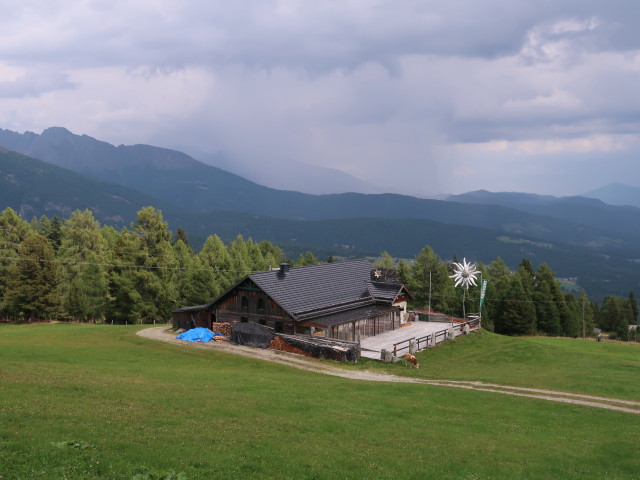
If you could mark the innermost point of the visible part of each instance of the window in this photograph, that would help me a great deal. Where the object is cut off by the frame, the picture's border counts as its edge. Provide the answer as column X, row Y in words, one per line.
column 278, row 327
column 244, row 303
column 261, row 304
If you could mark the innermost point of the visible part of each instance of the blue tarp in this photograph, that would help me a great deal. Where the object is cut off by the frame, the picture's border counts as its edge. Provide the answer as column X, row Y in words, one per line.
column 198, row 335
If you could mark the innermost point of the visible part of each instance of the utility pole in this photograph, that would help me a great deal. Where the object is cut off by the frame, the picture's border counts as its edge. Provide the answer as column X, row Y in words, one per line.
column 480, row 297
column 429, row 314
column 584, row 333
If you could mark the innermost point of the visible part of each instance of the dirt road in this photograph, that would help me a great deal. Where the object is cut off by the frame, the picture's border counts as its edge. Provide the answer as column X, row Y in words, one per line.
column 303, row 363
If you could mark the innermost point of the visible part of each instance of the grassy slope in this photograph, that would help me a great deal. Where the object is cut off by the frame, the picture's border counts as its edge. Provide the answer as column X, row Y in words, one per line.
column 143, row 404
column 608, row 369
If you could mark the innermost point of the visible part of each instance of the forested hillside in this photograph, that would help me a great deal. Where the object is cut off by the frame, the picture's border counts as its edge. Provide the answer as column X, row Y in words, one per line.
column 77, row 269
column 34, row 188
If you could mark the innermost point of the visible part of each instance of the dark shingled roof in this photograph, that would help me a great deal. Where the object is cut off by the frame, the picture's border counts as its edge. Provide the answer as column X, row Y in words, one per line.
column 316, row 288
column 327, row 294
column 385, row 292
column 195, row 308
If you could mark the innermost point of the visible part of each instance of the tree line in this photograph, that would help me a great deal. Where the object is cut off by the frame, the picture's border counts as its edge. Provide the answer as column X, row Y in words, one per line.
column 77, row 269
column 520, row 302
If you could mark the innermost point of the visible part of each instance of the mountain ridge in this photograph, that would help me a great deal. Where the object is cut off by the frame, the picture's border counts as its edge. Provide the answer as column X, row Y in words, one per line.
column 190, row 185
column 616, row 194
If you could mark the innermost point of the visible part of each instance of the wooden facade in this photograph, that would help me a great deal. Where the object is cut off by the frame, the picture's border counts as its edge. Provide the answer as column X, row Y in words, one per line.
column 192, row 317
column 248, row 303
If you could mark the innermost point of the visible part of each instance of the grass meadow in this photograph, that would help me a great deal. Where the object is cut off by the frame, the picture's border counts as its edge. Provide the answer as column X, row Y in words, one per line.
column 83, row 401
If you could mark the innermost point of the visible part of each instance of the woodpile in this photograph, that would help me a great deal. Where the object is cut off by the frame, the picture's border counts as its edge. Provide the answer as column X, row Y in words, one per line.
column 279, row 344
column 223, row 328
column 328, row 348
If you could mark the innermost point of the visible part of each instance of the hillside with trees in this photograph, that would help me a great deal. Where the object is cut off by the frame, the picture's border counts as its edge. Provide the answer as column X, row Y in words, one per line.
column 79, row 270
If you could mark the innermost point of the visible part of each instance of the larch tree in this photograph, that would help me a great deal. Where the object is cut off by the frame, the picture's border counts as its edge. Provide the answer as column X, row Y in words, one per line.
column 306, row 260
column 385, row 261
column 155, row 281
column 214, row 257
column 84, row 256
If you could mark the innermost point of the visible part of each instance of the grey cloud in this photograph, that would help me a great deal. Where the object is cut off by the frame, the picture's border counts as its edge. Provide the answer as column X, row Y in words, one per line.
column 316, row 37
column 35, row 83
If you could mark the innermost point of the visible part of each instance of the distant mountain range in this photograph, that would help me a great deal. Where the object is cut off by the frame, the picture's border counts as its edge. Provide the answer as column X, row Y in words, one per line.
column 617, row 194
column 577, row 236
column 610, row 220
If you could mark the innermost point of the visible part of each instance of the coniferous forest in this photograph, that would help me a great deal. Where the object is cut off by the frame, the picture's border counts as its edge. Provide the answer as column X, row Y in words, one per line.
column 75, row 269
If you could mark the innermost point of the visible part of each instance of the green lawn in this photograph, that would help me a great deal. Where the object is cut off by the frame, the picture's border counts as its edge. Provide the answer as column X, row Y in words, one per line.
column 80, row 401
column 609, row 369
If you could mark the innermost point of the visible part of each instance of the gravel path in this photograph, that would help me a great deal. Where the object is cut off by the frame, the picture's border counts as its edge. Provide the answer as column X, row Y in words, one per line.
column 303, row 363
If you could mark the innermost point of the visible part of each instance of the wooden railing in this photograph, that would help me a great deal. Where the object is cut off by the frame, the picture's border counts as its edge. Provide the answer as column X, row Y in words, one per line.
column 436, row 337
column 426, row 340
column 395, row 345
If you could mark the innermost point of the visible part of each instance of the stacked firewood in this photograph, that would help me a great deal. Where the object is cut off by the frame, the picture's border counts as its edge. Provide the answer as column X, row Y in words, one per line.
column 223, row 328
column 279, row 344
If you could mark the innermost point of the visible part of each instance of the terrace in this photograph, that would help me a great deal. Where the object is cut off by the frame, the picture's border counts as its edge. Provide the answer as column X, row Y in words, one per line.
column 426, row 334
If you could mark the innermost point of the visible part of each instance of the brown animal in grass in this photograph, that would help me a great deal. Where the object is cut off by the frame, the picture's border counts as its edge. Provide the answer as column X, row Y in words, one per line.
column 411, row 359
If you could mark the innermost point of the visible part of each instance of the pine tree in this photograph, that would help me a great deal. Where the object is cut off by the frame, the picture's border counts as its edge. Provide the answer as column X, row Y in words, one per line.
column 195, row 281
column 633, row 306
column 547, row 315
column 13, row 231
column 31, row 287
column 404, row 272
column 499, row 279
column 575, row 315
column 612, row 310
column 516, row 314
column 181, row 235
column 569, row 326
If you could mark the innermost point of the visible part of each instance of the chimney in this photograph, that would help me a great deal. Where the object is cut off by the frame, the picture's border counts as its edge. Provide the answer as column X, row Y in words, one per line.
column 284, row 268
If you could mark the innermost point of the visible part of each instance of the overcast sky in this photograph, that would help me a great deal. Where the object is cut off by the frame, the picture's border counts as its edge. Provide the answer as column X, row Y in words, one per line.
column 422, row 97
